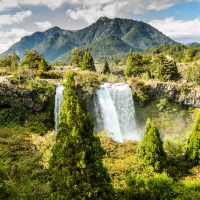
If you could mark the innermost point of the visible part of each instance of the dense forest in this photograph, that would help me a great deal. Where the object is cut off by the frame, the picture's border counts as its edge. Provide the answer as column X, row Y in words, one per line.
column 38, row 163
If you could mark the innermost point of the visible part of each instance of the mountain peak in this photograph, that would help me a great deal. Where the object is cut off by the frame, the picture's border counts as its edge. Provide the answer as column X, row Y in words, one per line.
column 103, row 18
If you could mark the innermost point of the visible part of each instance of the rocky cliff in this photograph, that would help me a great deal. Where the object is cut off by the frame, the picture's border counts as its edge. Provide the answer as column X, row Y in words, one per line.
column 185, row 94
column 35, row 101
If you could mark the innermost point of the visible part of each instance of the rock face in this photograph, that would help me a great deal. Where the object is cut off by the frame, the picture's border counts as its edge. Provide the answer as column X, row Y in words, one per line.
column 30, row 100
column 181, row 93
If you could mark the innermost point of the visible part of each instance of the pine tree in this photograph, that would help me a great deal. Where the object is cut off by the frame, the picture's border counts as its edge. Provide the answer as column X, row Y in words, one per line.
column 77, row 57
column 43, row 64
column 151, row 147
column 87, row 61
column 193, row 150
column 128, row 67
column 76, row 167
column 134, row 64
column 106, row 69
column 14, row 60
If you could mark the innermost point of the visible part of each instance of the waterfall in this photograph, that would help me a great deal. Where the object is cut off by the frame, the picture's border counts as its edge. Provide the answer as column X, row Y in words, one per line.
column 114, row 111
column 58, row 103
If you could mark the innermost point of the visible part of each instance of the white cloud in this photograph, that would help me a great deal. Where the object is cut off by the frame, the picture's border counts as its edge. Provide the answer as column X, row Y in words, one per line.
column 17, row 18
column 51, row 4
column 179, row 30
column 44, row 25
column 91, row 10
column 7, row 39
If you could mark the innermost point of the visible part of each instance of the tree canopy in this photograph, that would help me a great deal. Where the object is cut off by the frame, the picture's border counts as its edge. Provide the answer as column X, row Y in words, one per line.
column 193, row 149
column 151, row 147
column 87, row 61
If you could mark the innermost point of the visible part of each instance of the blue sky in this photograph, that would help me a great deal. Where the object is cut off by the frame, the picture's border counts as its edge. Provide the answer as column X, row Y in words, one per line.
column 180, row 20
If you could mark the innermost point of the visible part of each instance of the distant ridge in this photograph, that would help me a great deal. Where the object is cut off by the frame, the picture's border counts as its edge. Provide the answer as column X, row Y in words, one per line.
column 117, row 35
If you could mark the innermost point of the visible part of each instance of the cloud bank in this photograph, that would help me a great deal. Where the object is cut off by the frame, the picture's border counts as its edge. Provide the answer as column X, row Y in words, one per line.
column 91, row 10
column 43, row 25
column 179, row 30
column 7, row 39
column 17, row 18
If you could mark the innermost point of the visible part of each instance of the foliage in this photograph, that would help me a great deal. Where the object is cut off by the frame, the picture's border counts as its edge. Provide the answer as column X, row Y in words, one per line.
column 151, row 147
column 87, row 61
column 106, row 69
column 14, row 60
column 133, row 65
column 164, row 105
column 139, row 89
column 51, row 74
column 192, row 73
column 76, row 58
column 3, row 187
column 26, row 178
column 34, row 60
column 77, row 154
column 87, row 81
column 163, row 68
column 6, row 60
column 193, row 150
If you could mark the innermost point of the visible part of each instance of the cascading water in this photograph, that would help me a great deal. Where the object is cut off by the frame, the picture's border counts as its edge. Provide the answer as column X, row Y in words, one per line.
column 114, row 111
column 58, row 103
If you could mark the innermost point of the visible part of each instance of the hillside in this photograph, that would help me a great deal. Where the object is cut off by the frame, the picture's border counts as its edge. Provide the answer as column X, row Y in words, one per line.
column 29, row 42
column 136, row 34
column 110, row 45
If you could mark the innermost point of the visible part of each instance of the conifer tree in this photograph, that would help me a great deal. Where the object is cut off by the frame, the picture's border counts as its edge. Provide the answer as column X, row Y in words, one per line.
column 43, row 64
column 193, row 149
column 134, row 64
column 77, row 57
column 151, row 147
column 128, row 67
column 76, row 167
column 106, row 69
column 87, row 61
column 14, row 60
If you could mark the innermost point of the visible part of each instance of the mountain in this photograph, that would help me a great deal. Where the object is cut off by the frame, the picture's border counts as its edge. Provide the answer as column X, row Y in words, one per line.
column 133, row 34
column 29, row 42
column 110, row 45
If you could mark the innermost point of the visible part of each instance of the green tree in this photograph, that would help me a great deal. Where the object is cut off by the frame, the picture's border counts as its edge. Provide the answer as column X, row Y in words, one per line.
column 163, row 68
column 43, row 66
column 151, row 147
column 106, row 69
column 32, row 59
column 193, row 149
column 87, row 61
column 14, row 60
column 76, row 167
column 5, row 61
column 134, row 64
column 77, row 57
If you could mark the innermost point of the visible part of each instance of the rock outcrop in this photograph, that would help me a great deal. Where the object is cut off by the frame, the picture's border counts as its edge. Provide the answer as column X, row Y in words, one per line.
column 32, row 100
column 184, row 94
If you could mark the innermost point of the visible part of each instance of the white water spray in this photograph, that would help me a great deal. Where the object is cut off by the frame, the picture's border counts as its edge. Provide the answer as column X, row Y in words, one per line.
column 114, row 111
column 58, row 104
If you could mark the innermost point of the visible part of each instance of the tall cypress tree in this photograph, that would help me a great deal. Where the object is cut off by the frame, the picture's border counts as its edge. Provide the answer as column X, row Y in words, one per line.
column 76, row 58
column 128, row 67
column 87, row 61
column 151, row 147
column 76, row 167
column 106, row 69
column 193, row 149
